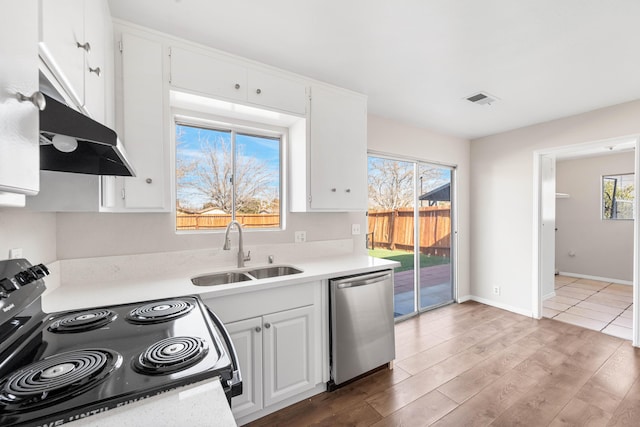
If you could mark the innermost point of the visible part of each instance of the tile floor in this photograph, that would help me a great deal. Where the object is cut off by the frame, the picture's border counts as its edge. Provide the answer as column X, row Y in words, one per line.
column 592, row 304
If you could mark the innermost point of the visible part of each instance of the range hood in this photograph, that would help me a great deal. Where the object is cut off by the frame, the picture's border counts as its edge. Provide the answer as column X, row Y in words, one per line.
column 73, row 142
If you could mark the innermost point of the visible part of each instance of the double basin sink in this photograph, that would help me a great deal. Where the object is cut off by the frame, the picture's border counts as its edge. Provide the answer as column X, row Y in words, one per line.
column 235, row 276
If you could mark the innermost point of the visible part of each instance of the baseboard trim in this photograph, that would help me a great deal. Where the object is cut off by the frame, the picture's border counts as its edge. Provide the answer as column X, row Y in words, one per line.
column 501, row 306
column 598, row 278
column 549, row 295
column 464, row 299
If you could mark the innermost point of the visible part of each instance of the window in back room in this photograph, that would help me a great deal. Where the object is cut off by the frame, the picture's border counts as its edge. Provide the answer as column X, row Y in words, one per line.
column 226, row 172
column 618, row 194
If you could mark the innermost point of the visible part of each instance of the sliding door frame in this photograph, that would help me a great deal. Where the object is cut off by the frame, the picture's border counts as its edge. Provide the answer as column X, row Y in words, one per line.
column 454, row 228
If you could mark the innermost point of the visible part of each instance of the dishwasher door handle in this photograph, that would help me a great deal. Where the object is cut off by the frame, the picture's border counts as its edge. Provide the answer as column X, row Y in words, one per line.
column 363, row 280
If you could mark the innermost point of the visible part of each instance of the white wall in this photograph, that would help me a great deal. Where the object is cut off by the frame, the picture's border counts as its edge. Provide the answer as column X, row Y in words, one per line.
column 502, row 197
column 396, row 138
column 102, row 234
column 602, row 248
column 35, row 233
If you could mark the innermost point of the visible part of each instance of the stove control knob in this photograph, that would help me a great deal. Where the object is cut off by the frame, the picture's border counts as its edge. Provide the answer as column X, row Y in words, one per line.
column 7, row 285
column 3, row 294
column 25, row 277
column 38, row 271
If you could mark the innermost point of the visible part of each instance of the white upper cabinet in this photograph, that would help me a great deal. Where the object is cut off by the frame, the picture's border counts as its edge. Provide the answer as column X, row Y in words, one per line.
column 273, row 91
column 73, row 36
column 19, row 118
column 98, row 30
column 142, row 124
column 207, row 74
column 62, row 43
column 221, row 77
column 329, row 156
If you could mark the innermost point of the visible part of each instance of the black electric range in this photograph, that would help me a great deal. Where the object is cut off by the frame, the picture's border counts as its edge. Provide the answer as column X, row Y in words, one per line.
column 57, row 368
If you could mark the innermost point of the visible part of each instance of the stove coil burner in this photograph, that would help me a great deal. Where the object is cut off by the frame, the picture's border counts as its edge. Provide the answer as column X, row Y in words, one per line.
column 160, row 311
column 171, row 355
column 85, row 321
column 59, row 376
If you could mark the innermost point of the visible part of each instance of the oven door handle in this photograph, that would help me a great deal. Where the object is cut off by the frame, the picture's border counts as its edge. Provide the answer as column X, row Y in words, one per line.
column 236, row 380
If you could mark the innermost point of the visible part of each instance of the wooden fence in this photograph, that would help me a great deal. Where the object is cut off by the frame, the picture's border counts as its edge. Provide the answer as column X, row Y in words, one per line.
column 393, row 229
column 210, row 222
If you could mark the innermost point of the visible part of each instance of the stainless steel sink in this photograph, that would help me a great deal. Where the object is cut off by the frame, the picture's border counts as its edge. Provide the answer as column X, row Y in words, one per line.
column 226, row 277
column 220, row 279
column 273, row 271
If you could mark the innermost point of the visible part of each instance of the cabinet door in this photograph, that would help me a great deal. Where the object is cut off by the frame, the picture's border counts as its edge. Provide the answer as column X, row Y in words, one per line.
column 98, row 33
column 247, row 340
column 144, row 127
column 274, row 91
column 207, row 75
column 19, row 149
column 61, row 31
column 338, row 150
column 288, row 355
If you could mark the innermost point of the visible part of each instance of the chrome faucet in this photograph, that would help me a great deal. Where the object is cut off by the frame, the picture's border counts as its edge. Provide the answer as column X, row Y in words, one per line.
column 227, row 243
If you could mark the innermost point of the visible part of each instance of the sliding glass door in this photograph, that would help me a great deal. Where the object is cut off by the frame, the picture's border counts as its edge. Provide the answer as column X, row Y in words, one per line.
column 410, row 221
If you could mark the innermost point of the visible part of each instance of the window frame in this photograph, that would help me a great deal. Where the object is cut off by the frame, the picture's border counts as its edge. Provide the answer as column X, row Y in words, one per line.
column 214, row 122
column 602, row 196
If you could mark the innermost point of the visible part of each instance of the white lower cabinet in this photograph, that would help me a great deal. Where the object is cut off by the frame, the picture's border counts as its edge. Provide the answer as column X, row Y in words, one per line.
column 247, row 339
column 280, row 337
column 275, row 356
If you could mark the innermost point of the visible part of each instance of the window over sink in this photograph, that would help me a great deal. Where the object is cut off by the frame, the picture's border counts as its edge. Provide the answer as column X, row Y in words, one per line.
column 227, row 171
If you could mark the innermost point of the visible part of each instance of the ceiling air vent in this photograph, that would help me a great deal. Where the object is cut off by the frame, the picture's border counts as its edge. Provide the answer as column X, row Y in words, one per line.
column 482, row 98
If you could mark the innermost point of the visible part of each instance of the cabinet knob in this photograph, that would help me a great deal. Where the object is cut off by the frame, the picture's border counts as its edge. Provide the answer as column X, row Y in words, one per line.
column 348, row 190
column 96, row 70
column 333, row 190
column 258, row 328
column 237, row 86
column 267, row 325
column 148, row 180
column 86, row 46
column 258, row 91
column 37, row 99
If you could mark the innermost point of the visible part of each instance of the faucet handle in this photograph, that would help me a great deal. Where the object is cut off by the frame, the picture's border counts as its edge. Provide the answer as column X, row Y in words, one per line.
column 248, row 256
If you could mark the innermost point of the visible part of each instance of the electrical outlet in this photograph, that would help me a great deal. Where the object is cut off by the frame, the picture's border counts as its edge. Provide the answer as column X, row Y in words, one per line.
column 496, row 290
column 300, row 236
column 355, row 229
column 15, row 253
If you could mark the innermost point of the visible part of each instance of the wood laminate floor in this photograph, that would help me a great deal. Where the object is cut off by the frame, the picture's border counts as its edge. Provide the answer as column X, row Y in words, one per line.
column 474, row 365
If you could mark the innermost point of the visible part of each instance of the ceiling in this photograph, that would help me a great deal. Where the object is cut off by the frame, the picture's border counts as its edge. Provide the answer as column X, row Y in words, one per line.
column 417, row 60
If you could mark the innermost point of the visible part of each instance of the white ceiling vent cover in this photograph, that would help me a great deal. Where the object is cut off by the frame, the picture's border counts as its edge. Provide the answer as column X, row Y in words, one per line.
column 482, row 98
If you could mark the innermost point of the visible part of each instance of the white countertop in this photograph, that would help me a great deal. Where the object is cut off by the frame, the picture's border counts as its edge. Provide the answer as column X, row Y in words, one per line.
column 199, row 405
column 102, row 290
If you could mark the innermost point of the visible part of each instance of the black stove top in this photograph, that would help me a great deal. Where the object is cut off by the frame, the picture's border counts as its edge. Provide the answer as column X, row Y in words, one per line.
column 57, row 368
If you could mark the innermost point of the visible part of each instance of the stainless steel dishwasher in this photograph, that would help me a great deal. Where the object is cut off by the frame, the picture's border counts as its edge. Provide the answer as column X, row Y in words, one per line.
column 362, row 328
